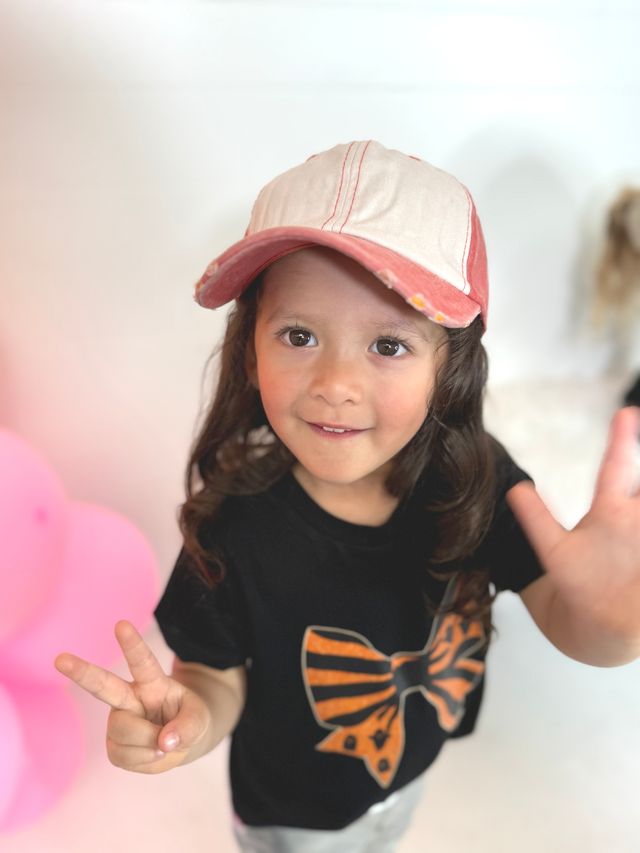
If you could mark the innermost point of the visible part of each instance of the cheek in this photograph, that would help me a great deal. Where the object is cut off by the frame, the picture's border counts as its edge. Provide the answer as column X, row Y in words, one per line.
column 276, row 389
column 405, row 403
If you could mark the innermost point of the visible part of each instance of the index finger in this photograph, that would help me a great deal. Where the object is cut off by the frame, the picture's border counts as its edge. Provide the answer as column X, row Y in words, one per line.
column 143, row 664
column 99, row 682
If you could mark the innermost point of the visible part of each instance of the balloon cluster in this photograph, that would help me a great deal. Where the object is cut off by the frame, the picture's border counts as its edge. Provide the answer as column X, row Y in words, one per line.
column 68, row 572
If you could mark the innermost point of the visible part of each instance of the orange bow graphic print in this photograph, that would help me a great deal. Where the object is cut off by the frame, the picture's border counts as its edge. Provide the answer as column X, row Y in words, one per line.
column 359, row 692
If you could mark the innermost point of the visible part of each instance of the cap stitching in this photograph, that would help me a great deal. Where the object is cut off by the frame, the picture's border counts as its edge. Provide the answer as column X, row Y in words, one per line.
column 335, row 206
column 346, row 192
column 467, row 242
column 355, row 189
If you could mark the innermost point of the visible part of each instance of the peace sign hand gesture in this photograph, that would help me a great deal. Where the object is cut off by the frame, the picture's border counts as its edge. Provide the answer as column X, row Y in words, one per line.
column 151, row 715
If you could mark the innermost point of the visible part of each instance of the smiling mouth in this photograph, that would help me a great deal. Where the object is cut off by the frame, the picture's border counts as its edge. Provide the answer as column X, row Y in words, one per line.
column 326, row 429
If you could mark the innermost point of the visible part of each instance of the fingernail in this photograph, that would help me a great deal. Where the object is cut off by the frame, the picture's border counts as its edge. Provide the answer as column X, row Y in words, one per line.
column 171, row 741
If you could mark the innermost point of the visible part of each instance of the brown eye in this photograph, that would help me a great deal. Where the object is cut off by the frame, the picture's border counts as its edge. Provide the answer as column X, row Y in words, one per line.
column 299, row 337
column 387, row 346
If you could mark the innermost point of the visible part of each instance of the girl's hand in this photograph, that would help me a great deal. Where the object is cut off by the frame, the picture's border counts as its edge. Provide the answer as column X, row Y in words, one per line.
column 595, row 567
column 150, row 714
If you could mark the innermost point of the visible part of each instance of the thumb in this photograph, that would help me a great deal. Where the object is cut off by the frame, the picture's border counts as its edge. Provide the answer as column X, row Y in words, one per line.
column 186, row 728
column 540, row 527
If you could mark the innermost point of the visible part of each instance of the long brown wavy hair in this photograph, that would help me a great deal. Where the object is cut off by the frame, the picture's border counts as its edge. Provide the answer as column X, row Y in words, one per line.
column 235, row 453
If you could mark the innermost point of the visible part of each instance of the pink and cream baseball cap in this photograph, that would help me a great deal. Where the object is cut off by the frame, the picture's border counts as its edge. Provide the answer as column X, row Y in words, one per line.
column 412, row 225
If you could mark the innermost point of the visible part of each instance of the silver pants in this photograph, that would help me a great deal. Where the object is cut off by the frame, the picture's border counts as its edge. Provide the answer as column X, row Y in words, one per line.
column 377, row 831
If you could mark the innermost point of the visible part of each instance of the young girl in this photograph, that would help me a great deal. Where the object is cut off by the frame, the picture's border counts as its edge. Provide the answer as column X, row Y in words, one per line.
column 348, row 520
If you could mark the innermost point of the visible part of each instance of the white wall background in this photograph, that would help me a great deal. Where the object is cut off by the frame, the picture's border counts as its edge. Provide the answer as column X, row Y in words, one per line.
column 135, row 135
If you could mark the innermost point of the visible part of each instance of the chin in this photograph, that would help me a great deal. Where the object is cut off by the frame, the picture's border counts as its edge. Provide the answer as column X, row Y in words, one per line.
column 339, row 476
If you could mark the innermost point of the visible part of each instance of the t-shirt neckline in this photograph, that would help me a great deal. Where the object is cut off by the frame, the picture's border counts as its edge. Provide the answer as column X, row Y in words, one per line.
column 293, row 494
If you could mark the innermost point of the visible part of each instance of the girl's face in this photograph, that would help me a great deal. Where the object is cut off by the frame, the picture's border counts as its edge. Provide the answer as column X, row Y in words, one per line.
column 345, row 368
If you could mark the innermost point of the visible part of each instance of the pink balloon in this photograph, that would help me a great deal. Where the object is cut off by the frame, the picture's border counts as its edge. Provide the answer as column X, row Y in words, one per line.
column 53, row 751
column 108, row 572
column 32, row 531
column 11, row 750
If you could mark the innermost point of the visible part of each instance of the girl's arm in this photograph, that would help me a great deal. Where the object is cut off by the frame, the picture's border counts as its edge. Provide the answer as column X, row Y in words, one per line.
column 224, row 693
column 588, row 603
column 574, row 634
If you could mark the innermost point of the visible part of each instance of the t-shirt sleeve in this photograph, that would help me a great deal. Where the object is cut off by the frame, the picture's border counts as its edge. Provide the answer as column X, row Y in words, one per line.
column 200, row 624
column 511, row 560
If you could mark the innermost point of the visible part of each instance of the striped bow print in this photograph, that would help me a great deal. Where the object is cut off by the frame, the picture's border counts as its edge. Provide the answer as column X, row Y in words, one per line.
column 359, row 692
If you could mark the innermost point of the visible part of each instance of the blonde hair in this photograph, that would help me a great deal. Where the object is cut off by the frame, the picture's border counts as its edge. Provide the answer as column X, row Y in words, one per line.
column 617, row 282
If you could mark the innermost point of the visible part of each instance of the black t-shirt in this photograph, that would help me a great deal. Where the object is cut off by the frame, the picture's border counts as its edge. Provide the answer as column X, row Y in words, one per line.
column 352, row 686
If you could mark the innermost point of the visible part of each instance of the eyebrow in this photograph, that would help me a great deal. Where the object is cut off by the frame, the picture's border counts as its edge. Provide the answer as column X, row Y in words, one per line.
column 404, row 325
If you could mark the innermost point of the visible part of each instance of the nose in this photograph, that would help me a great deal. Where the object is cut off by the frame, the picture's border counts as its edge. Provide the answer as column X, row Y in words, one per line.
column 336, row 380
